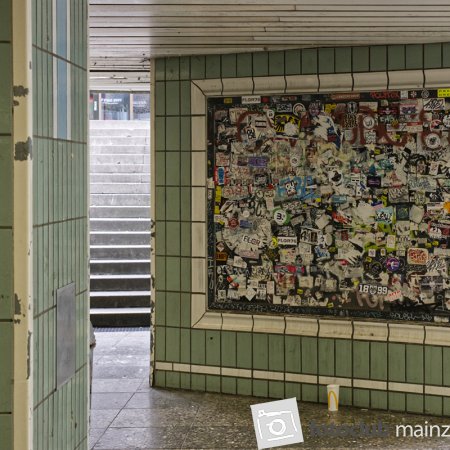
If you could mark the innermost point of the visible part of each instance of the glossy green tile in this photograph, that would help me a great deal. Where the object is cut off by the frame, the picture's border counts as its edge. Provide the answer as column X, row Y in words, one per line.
column 185, row 97
column 276, row 389
column 432, row 56
column 414, row 56
column 260, row 64
column 173, row 380
column 293, row 390
column 397, row 401
column 433, row 405
column 213, row 383
column 293, row 62
column 198, row 382
column 160, row 69
column 6, row 375
column 343, row 59
column 292, row 354
column 260, row 351
column 197, row 67
column 185, row 134
column 309, row 61
column 160, row 238
column 433, row 365
column 244, row 65
column 160, row 272
column 360, row 56
column 244, row 350
column 309, row 355
column 326, row 60
column 5, row 88
column 378, row 361
column 160, row 133
column 185, row 275
column 445, row 405
column 185, row 381
column 172, row 203
column 5, row 21
column 212, row 348
column 172, row 68
column 173, row 273
column 229, row 66
column 185, row 236
column 378, row 399
column 228, row 348
column 173, row 309
column 445, row 366
column 310, row 393
column 160, row 307
column 361, row 398
column 185, row 67
column 160, row 203
column 198, row 346
column 414, row 403
column 244, row 386
column 276, row 63
column 396, row 57
column 6, row 436
column 345, row 396
column 414, row 364
column 160, row 164
column 173, row 130
column 173, row 169
column 173, row 344
column 396, row 362
column 343, row 362
column 160, row 98
column 185, row 169
column 361, row 362
column 160, row 343
column 172, row 98
column 446, row 54
column 378, row 58
column 212, row 66
column 260, row 388
column 185, row 346
column 276, row 352
column 326, row 356
column 229, row 385
column 6, row 274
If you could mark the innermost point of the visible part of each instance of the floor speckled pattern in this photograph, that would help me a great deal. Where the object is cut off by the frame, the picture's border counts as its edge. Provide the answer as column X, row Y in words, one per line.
column 128, row 414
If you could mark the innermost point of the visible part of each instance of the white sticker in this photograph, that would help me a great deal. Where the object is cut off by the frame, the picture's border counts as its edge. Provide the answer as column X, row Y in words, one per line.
column 287, row 240
column 250, row 293
column 251, row 99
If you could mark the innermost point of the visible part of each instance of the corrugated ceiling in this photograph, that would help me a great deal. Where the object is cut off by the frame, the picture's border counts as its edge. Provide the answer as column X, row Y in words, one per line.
column 126, row 33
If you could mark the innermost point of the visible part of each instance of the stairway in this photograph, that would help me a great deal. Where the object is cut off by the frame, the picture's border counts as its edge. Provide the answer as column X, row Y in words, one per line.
column 120, row 223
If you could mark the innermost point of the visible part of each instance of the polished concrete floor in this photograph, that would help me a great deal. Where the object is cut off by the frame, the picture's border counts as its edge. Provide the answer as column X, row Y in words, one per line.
column 128, row 414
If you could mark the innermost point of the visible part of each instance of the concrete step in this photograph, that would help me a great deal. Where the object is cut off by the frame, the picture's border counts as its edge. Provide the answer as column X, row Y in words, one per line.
column 118, row 299
column 120, row 200
column 118, row 124
column 120, row 188
column 120, row 266
column 119, row 158
column 122, row 149
column 120, row 211
column 120, row 238
column 122, row 224
column 120, row 252
column 120, row 168
column 121, row 132
column 119, row 178
column 115, row 140
column 116, row 282
column 120, row 317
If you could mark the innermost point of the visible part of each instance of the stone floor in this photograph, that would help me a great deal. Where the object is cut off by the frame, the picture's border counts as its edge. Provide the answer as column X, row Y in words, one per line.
column 128, row 414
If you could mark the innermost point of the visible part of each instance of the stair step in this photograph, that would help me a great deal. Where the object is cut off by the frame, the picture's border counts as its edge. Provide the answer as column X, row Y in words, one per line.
column 120, row 317
column 120, row 224
column 116, row 140
column 119, row 178
column 121, row 132
column 120, row 266
column 120, row 188
column 119, row 158
column 120, row 294
column 118, row 299
column 120, row 168
column 120, row 238
column 120, row 200
column 118, row 124
column 119, row 282
column 98, row 212
column 120, row 251
column 121, row 149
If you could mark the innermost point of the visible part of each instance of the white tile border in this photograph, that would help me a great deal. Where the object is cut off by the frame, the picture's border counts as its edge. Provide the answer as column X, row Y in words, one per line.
column 293, row 325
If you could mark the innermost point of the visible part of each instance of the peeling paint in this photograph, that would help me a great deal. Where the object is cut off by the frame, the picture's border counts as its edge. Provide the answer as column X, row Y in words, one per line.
column 20, row 91
column 17, row 305
column 29, row 355
column 16, row 103
column 23, row 149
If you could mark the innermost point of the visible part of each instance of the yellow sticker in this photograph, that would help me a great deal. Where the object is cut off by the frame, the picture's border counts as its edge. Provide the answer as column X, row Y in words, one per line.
column 218, row 194
column 443, row 92
column 216, row 210
column 228, row 100
column 299, row 291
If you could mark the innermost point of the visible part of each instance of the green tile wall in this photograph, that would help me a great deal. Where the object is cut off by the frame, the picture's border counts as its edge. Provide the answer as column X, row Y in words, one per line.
column 60, row 252
column 316, row 357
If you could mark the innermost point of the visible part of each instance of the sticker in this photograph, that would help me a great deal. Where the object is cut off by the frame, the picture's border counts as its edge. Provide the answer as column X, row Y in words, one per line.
column 250, row 99
column 417, row 256
column 280, row 216
column 433, row 141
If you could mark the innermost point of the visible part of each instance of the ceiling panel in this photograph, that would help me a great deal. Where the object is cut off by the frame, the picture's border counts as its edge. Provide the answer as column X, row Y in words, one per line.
column 125, row 34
